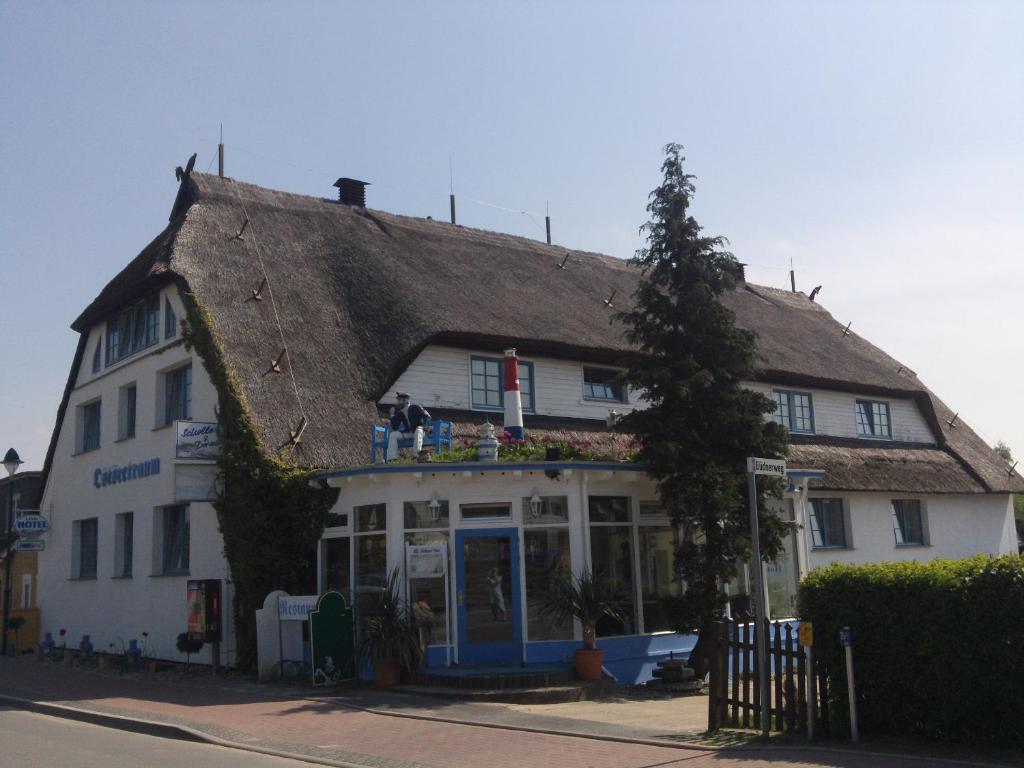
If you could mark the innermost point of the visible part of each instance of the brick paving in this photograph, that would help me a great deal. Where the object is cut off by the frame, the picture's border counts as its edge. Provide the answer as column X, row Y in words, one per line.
column 324, row 728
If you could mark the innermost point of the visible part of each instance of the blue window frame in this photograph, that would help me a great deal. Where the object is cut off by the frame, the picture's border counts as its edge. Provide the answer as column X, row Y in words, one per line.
column 178, row 395
column 828, row 524
column 794, row 410
column 97, row 356
column 603, row 384
column 487, row 384
column 133, row 329
column 91, row 426
column 873, row 419
column 176, row 540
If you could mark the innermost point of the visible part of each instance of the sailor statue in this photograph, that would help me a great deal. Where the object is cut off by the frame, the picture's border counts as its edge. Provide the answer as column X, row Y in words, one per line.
column 407, row 420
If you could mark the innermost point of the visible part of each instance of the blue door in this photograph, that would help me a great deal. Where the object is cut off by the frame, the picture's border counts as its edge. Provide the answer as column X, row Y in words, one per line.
column 487, row 587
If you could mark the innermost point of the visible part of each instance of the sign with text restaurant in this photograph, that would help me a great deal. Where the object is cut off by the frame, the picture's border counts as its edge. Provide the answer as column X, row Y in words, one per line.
column 775, row 467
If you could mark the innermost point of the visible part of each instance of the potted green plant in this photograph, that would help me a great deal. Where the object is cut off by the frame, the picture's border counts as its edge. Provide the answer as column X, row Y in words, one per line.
column 390, row 639
column 588, row 599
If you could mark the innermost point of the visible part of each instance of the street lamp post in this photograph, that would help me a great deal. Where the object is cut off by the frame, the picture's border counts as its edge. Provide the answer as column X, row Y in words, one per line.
column 11, row 463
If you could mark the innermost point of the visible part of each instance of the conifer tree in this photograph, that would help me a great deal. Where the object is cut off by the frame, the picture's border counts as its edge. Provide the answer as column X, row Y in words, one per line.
column 701, row 423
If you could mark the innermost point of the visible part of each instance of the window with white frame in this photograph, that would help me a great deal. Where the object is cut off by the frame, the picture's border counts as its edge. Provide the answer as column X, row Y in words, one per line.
column 908, row 522
column 89, row 429
column 178, row 394
column 371, row 557
column 545, row 560
column 658, row 541
column 611, row 558
column 84, row 540
column 127, row 400
column 603, row 384
column 873, row 419
column 133, row 329
column 124, row 532
column 173, row 525
column 828, row 524
column 426, row 522
column 487, row 384
column 793, row 410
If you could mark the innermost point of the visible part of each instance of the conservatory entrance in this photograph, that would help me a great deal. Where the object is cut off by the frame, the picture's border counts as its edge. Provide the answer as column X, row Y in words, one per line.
column 488, row 596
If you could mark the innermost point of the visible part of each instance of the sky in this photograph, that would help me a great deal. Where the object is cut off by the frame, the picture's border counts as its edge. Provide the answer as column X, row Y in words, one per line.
column 878, row 148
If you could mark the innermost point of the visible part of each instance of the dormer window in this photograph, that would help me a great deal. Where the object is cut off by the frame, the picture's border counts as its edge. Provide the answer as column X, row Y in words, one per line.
column 603, row 384
column 487, row 384
column 793, row 411
column 873, row 419
column 133, row 329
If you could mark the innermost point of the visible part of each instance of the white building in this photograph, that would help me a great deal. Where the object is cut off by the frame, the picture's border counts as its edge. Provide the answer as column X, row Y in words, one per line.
column 321, row 310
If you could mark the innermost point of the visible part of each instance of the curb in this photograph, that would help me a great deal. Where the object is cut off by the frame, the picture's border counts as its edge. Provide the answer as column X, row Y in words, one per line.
column 161, row 730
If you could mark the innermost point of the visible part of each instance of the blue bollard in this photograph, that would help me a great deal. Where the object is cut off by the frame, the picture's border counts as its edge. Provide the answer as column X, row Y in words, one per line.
column 133, row 648
column 48, row 644
column 86, row 645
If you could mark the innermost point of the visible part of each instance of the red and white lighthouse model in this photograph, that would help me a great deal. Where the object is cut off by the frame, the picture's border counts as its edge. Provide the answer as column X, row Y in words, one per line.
column 513, row 401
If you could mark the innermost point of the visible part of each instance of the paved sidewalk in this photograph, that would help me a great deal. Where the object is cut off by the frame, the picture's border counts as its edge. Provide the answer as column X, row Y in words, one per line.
column 286, row 721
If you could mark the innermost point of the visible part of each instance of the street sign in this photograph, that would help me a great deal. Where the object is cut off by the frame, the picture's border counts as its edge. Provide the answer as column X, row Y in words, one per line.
column 806, row 633
column 31, row 525
column 29, row 545
column 846, row 637
column 775, row 467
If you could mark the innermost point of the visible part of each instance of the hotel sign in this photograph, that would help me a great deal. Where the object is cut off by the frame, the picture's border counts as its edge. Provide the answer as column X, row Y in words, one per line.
column 197, row 440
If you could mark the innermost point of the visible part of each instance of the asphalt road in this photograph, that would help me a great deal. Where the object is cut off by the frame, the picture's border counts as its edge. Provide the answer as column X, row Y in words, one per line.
column 28, row 740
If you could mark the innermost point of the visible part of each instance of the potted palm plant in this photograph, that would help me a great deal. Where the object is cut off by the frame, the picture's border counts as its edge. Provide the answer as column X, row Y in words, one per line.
column 390, row 638
column 588, row 599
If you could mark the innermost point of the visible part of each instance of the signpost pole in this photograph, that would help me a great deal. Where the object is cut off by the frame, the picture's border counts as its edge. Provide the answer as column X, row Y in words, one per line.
column 759, row 601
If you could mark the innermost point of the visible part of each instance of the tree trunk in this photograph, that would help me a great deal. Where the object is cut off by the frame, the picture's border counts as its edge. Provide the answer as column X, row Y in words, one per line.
column 700, row 657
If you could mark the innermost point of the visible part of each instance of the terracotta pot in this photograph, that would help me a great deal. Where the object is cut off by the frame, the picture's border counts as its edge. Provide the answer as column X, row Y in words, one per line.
column 387, row 672
column 589, row 662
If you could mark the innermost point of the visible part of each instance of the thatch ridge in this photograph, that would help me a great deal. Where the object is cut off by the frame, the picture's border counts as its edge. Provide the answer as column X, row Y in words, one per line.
column 360, row 294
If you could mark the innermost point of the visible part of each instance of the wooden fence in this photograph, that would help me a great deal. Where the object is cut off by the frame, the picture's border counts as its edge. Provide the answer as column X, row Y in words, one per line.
column 735, row 688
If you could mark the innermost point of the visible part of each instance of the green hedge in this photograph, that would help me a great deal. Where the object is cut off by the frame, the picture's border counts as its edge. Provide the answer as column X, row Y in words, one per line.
column 938, row 647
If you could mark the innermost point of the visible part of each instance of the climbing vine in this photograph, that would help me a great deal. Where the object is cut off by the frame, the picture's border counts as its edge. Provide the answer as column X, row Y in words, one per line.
column 270, row 517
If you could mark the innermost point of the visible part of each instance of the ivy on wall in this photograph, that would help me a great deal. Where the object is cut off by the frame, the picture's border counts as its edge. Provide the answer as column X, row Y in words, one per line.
column 270, row 517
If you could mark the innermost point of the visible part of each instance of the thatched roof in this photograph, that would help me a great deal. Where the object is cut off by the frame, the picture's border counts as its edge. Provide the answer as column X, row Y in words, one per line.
column 360, row 294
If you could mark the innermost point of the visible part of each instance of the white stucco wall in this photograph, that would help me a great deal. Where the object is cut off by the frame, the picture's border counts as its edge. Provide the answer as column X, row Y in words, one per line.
column 113, row 609
column 955, row 525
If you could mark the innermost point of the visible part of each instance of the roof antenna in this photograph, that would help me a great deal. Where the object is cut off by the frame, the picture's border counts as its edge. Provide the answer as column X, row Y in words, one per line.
column 562, row 265
column 220, row 153
column 547, row 220
column 608, row 301
column 451, row 187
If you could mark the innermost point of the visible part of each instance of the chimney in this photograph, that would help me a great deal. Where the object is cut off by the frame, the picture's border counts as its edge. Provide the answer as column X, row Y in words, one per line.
column 743, row 271
column 351, row 192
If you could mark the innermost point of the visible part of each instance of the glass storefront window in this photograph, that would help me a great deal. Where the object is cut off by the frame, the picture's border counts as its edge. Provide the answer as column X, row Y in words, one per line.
column 425, row 514
column 427, row 596
column 546, row 558
column 371, row 517
column 657, row 574
column 337, row 560
column 609, row 509
column 371, row 572
column 551, row 509
column 611, row 554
